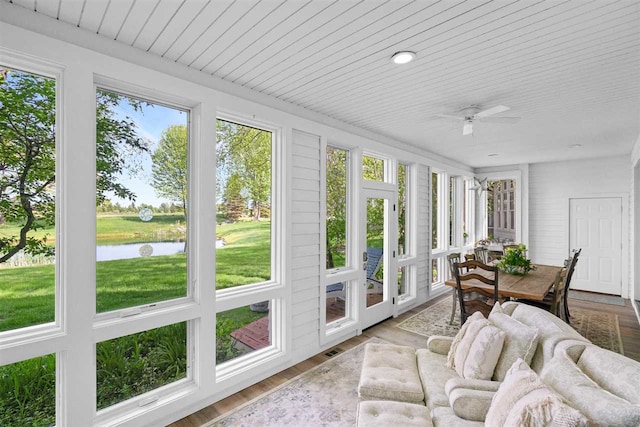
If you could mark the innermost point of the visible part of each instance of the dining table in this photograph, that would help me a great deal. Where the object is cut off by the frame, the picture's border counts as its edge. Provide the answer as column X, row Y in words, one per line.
column 533, row 285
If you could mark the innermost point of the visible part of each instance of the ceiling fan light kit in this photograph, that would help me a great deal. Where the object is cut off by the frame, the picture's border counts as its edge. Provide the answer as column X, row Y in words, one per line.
column 474, row 112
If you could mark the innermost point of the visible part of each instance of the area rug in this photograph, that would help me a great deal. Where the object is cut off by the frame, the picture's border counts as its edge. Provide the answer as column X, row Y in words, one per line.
column 602, row 329
column 326, row 395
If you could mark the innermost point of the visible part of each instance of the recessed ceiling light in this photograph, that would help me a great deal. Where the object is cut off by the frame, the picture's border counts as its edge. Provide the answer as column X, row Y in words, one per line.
column 493, row 155
column 403, row 57
column 575, row 146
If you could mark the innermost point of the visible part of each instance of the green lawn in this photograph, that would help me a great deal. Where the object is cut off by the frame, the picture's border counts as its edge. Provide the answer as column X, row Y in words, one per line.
column 27, row 293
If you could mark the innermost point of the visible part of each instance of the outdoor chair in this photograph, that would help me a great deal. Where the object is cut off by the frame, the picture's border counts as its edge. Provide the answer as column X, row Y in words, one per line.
column 374, row 260
column 469, row 303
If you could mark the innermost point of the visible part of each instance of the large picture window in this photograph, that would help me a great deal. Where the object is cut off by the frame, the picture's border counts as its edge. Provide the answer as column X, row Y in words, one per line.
column 27, row 199
column 243, row 245
column 142, row 197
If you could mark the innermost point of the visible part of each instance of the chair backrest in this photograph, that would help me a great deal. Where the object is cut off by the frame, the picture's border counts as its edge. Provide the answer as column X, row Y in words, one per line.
column 469, row 306
column 453, row 258
column 557, row 301
column 572, row 266
column 374, row 258
column 567, row 282
column 481, row 254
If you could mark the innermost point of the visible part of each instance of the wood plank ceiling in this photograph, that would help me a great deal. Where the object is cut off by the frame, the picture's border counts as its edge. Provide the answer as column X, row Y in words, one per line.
column 569, row 69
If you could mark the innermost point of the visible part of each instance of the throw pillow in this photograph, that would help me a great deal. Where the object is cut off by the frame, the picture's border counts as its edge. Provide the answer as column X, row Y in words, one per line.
column 523, row 400
column 478, row 352
column 520, row 341
column 456, row 340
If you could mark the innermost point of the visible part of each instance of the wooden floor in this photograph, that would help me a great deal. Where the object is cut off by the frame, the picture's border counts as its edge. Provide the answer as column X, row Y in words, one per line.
column 629, row 330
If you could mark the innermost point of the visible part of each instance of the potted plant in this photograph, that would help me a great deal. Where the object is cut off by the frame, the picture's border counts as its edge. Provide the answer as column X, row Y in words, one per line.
column 514, row 261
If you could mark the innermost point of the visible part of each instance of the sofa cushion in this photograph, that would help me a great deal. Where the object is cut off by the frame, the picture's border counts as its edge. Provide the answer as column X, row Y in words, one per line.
column 434, row 375
column 523, row 400
column 439, row 344
column 520, row 341
column 584, row 394
column 461, row 333
column 390, row 372
column 470, row 404
column 479, row 350
column 551, row 330
column 471, row 384
column 612, row 371
column 443, row 416
column 373, row 413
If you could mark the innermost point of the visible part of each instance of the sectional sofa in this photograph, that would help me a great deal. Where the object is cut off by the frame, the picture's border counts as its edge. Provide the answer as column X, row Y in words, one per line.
column 404, row 386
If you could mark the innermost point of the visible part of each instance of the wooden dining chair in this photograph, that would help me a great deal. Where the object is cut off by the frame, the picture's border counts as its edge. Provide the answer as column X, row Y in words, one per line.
column 452, row 259
column 570, row 270
column 482, row 254
column 484, row 299
column 554, row 300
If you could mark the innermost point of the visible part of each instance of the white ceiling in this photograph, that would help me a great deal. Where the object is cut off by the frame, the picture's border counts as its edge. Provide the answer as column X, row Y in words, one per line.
column 569, row 69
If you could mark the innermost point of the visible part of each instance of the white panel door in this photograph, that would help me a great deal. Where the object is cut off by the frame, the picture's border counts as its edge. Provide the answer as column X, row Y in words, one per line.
column 595, row 226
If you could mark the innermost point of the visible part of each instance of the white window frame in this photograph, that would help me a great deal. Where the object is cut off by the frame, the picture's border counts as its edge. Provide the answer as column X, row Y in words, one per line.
column 51, row 330
column 522, row 235
column 470, row 207
column 410, row 259
column 17, row 345
column 349, row 274
column 272, row 290
column 130, row 320
column 124, row 89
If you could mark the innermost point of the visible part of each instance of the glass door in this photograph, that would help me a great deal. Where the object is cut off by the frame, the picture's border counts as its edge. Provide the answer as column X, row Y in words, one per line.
column 378, row 256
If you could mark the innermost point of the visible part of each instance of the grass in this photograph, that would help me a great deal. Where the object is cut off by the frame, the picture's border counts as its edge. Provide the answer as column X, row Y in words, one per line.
column 128, row 228
column 130, row 365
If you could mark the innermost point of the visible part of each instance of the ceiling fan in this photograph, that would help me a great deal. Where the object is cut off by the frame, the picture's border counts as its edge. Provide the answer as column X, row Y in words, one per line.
column 468, row 115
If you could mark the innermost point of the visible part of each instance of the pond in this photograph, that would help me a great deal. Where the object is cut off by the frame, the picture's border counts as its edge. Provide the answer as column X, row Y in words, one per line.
column 137, row 250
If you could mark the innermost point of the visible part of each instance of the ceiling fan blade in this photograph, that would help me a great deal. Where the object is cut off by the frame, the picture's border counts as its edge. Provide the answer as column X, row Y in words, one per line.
column 494, row 110
column 499, row 119
column 467, row 129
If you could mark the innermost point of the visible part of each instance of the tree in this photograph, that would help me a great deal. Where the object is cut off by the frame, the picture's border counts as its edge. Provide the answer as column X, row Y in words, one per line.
column 336, row 195
column 27, row 156
column 234, row 204
column 27, row 160
column 169, row 168
column 246, row 151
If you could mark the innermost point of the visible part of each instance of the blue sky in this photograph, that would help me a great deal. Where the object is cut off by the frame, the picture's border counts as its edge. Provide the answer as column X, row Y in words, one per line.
column 151, row 121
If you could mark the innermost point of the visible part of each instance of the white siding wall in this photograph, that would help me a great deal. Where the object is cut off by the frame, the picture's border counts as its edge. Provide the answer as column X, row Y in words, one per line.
column 305, row 241
column 424, row 233
column 551, row 185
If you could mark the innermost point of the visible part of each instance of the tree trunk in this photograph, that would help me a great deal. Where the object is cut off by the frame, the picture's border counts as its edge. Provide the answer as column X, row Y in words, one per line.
column 329, row 256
